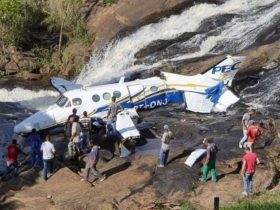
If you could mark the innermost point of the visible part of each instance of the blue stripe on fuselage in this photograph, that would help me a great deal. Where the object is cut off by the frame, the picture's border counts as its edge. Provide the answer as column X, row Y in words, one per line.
column 152, row 101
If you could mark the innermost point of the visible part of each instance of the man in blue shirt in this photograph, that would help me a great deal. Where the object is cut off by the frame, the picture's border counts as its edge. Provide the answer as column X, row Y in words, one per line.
column 36, row 142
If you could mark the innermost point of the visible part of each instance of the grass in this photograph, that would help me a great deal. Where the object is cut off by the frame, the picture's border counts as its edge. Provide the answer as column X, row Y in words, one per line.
column 264, row 201
column 187, row 206
column 254, row 206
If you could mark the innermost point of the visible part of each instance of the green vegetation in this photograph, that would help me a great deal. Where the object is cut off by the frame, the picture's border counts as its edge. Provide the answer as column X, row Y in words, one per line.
column 187, row 206
column 13, row 22
column 264, row 201
column 109, row 2
column 255, row 206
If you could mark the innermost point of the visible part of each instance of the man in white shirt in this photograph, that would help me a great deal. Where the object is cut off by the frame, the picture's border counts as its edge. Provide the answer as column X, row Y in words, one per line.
column 165, row 141
column 245, row 124
column 48, row 151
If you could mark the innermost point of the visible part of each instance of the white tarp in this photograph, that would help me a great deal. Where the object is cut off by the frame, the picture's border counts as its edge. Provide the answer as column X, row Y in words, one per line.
column 197, row 102
column 194, row 156
column 125, row 126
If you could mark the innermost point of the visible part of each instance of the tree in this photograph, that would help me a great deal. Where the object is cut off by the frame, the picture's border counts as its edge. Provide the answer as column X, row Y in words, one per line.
column 62, row 16
column 12, row 22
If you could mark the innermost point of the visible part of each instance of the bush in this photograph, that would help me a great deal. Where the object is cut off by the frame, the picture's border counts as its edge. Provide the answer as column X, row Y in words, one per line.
column 12, row 22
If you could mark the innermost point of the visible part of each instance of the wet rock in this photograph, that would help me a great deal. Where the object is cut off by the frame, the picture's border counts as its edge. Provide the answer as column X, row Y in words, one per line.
column 161, row 45
column 29, row 76
column 271, row 65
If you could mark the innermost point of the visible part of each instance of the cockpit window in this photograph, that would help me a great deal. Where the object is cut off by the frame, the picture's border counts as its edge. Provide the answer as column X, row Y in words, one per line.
column 62, row 101
column 76, row 101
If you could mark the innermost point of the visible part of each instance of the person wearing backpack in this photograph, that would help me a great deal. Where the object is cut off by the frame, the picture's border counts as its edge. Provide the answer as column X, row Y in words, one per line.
column 210, row 162
column 165, row 141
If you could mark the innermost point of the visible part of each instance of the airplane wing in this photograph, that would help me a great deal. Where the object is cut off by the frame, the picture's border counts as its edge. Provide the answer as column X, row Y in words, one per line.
column 62, row 85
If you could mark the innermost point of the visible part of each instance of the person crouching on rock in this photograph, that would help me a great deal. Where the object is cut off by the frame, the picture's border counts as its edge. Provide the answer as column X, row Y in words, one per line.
column 165, row 141
column 253, row 132
column 92, row 161
column 210, row 162
column 250, row 161
column 11, row 159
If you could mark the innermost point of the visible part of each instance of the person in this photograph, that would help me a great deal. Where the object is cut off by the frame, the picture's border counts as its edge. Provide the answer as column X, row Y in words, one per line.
column 68, row 124
column 254, row 131
column 73, row 115
column 250, row 161
column 92, row 160
column 165, row 141
column 245, row 124
column 85, row 123
column 48, row 151
column 74, row 141
column 36, row 142
column 113, row 110
column 210, row 162
column 11, row 158
column 243, row 141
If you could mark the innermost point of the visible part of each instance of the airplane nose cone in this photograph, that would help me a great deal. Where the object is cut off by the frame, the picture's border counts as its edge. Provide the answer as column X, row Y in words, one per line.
column 40, row 120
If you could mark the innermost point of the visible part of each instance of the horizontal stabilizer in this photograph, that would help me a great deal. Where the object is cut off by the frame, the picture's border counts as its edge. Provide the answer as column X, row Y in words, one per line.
column 197, row 102
column 194, row 156
column 227, row 99
column 62, row 85
column 125, row 126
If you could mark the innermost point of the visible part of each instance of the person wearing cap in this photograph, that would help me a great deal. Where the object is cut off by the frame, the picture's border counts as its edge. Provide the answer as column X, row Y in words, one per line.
column 113, row 110
column 165, row 141
column 253, row 132
column 210, row 162
column 245, row 125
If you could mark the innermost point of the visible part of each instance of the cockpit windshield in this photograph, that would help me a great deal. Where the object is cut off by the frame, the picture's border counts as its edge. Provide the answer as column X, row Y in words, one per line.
column 62, row 101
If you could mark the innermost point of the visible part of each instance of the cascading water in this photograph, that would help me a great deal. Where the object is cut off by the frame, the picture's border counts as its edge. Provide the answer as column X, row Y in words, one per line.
column 118, row 57
column 28, row 98
column 265, row 95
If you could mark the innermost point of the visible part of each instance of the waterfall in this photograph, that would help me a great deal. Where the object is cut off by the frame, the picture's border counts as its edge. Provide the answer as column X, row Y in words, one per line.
column 117, row 58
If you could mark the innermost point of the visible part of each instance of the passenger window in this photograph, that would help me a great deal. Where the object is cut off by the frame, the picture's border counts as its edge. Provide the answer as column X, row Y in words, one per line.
column 96, row 98
column 117, row 94
column 106, row 96
column 154, row 88
column 77, row 101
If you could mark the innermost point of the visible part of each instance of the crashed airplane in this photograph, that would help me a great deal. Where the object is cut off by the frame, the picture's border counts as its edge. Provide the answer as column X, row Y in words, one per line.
column 203, row 93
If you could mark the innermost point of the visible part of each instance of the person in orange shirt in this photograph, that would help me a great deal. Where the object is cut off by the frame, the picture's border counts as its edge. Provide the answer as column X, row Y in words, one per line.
column 253, row 132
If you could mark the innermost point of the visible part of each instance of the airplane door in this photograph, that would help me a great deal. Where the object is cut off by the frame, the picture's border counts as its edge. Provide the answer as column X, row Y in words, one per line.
column 137, row 96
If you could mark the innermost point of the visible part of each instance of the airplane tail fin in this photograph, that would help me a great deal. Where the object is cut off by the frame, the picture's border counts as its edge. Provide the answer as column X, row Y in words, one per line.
column 226, row 69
